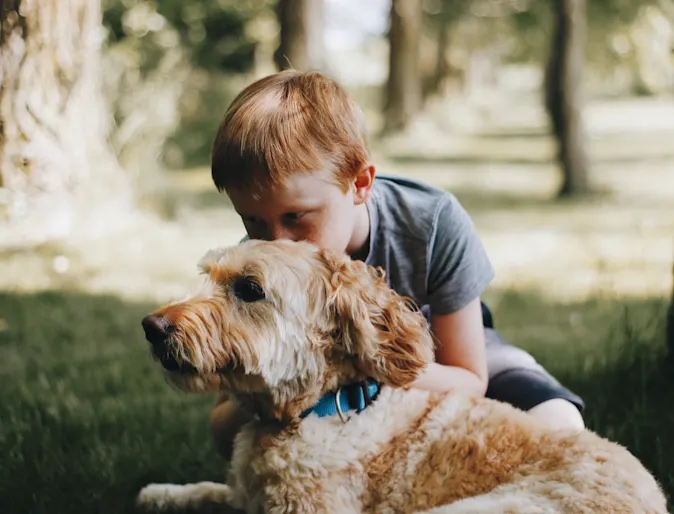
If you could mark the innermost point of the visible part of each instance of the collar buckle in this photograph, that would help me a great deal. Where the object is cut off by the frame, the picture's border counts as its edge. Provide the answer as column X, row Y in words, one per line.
column 338, row 405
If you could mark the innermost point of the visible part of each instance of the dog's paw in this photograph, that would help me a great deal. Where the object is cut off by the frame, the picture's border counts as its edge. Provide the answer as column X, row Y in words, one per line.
column 200, row 495
column 159, row 496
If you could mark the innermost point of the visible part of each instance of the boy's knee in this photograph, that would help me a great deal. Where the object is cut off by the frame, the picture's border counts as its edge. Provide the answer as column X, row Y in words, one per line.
column 226, row 420
column 559, row 414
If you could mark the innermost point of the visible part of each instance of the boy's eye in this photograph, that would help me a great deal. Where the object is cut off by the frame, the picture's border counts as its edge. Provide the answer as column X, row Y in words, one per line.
column 293, row 216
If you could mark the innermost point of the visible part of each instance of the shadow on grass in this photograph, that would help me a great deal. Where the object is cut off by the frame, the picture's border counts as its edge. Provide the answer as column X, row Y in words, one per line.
column 87, row 419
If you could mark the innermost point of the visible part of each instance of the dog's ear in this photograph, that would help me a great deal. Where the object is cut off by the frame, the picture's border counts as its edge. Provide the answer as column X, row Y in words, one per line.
column 383, row 330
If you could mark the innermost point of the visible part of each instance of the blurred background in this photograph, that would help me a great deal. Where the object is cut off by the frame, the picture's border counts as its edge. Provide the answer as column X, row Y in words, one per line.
column 551, row 121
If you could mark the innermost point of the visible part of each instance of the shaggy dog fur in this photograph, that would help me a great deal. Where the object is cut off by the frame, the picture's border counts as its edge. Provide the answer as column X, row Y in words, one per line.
column 278, row 324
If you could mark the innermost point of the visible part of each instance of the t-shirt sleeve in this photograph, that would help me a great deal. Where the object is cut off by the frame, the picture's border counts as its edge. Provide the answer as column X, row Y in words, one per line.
column 459, row 268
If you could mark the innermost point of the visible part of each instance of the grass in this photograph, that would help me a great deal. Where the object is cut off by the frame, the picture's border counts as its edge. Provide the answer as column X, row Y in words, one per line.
column 87, row 420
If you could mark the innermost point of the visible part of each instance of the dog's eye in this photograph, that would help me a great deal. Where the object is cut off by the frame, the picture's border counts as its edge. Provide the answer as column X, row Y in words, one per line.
column 248, row 290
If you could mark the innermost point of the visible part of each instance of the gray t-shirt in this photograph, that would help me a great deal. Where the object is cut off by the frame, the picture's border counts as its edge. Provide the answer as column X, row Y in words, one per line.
column 427, row 244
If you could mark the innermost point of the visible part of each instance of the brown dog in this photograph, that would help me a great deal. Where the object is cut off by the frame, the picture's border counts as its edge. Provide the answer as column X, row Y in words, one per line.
column 284, row 325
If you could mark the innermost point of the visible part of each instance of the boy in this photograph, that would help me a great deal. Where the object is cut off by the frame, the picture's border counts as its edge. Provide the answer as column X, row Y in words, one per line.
column 292, row 155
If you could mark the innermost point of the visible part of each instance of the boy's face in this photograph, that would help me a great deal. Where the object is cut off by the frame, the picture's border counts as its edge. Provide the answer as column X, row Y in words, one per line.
column 309, row 207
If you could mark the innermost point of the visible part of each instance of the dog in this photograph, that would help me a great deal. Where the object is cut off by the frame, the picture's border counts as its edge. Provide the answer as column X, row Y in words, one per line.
column 288, row 328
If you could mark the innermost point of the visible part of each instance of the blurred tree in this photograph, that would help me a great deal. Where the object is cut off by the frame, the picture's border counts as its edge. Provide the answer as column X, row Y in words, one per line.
column 301, row 44
column 171, row 68
column 441, row 17
column 212, row 31
column 608, row 40
column 624, row 47
column 432, row 84
column 403, row 89
column 564, row 94
column 55, row 162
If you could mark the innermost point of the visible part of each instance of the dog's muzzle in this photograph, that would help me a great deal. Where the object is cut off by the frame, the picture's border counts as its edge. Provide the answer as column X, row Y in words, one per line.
column 158, row 332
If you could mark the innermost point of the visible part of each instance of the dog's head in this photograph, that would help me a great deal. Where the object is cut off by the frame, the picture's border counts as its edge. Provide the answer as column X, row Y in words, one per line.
column 283, row 322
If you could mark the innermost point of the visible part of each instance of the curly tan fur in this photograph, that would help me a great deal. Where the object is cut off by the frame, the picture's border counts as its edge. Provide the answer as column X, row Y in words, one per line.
column 374, row 323
column 324, row 318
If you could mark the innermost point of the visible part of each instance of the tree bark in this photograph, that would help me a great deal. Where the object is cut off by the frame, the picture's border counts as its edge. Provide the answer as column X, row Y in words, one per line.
column 404, row 86
column 55, row 162
column 564, row 94
column 301, row 44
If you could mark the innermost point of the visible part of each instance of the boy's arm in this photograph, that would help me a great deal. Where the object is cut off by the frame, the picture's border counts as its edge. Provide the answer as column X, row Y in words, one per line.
column 459, row 272
column 460, row 358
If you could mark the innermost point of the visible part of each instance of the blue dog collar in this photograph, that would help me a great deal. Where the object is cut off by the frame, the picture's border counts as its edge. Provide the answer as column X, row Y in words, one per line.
column 356, row 396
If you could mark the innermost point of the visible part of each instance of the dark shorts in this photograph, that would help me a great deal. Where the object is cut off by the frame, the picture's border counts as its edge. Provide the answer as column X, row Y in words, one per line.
column 514, row 375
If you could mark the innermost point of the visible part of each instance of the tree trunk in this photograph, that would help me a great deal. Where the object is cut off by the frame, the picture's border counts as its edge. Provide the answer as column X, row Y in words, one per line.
column 435, row 82
column 564, row 94
column 55, row 163
column 404, row 88
column 301, row 44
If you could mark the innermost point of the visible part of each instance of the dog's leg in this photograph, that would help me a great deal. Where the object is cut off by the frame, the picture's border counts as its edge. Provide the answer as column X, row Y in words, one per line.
column 193, row 496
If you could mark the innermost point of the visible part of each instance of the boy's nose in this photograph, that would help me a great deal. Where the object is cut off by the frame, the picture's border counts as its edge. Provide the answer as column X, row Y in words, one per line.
column 279, row 232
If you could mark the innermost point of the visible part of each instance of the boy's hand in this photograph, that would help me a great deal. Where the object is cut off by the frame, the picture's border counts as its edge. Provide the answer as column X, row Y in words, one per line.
column 461, row 363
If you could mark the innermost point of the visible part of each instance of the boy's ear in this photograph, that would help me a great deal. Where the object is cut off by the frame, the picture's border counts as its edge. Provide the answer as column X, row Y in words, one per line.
column 362, row 183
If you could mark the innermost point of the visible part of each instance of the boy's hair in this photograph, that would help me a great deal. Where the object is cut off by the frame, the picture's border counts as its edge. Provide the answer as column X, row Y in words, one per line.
column 287, row 123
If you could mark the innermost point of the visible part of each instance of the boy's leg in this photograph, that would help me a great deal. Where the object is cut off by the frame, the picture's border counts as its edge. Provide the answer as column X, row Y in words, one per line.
column 559, row 413
column 227, row 418
column 516, row 378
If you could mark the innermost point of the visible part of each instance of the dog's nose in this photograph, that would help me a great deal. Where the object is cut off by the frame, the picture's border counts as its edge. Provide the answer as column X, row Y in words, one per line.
column 156, row 329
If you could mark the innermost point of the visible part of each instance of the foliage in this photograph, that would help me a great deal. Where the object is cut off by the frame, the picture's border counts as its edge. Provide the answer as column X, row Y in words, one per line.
column 171, row 69
column 214, row 32
column 529, row 23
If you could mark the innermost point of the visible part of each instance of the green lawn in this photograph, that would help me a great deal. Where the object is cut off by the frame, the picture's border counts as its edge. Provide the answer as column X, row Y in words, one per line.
column 86, row 419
